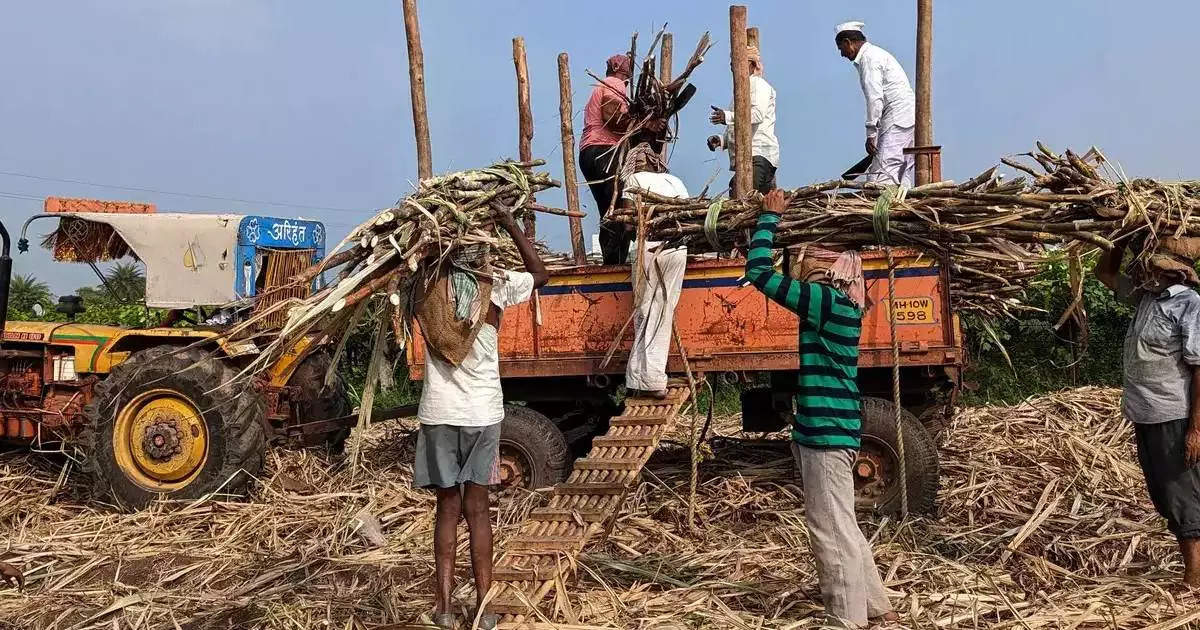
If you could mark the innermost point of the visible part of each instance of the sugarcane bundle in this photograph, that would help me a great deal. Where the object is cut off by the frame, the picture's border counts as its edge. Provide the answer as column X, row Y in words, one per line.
column 995, row 234
column 444, row 219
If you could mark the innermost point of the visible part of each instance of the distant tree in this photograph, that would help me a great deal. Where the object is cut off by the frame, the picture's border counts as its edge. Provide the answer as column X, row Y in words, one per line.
column 126, row 282
column 24, row 291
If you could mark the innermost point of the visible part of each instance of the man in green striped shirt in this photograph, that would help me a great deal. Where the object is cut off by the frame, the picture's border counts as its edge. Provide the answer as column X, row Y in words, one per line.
column 828, row 298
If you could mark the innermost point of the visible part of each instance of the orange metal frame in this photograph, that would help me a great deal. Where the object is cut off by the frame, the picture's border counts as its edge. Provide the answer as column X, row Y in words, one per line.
column 724, row 326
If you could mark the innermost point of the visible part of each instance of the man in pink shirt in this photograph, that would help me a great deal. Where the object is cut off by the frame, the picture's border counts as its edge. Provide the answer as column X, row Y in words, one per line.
column 604, row 122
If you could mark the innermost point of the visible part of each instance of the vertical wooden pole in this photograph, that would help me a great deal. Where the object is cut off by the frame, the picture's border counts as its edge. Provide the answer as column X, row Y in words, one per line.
column 665, row 72
column 743, row 170
column 524, row 116
column 567, row 127
column 667, row 47
column 416, row 83
column 752, row 37
column 924, row 131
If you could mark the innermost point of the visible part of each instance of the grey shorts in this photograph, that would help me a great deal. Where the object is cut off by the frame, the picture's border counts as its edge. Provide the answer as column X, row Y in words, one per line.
column 449, row 456
column 1174, row 488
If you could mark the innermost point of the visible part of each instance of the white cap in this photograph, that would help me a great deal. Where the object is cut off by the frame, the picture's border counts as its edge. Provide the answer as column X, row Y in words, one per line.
column 850, row 26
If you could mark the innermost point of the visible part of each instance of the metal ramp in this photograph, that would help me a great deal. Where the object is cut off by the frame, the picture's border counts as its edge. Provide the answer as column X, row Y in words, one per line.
column 540, row 558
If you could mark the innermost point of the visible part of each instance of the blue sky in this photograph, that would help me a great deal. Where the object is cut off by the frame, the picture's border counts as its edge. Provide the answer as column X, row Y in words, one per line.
column 306, row 102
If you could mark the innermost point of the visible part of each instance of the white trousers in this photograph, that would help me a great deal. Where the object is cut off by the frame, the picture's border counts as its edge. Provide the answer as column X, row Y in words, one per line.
column 654, row 317
column 891, row 165
column 850, row 584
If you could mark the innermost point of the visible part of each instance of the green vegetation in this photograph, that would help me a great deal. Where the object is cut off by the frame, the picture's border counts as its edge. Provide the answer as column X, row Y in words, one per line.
column 1041, row 356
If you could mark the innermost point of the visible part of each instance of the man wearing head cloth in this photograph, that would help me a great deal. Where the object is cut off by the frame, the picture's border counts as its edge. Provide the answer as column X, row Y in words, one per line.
column 604, row 122
column 891, row 105
column 764, row 146
column 659, row 272
column 828, row 295
column 1161, row 362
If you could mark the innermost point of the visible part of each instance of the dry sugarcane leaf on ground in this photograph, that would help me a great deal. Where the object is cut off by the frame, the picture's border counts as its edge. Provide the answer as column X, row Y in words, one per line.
column 1094, row 557
column 995, row 234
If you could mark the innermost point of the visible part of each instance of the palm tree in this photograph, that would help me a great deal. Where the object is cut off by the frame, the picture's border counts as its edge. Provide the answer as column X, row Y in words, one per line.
column 125, row 281
column 23, row 292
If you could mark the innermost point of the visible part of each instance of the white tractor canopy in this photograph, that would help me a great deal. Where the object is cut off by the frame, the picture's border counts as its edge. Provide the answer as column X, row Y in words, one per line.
column 189, row 258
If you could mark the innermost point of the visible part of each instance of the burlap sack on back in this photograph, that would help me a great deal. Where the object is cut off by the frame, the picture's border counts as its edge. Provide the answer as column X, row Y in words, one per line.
column 445, row 335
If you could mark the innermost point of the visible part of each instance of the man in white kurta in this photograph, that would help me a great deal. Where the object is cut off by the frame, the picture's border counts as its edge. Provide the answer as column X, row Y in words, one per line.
column 891, row 105
column 658, row 274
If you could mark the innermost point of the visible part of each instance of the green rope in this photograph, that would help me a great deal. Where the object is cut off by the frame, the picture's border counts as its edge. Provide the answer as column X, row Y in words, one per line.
column 881, row 220
column 710, row 223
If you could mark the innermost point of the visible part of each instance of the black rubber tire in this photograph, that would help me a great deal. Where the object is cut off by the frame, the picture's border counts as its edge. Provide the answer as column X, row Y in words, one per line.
column 543, row 444
column 318, row 401
column 920, row 454
column 232, row 413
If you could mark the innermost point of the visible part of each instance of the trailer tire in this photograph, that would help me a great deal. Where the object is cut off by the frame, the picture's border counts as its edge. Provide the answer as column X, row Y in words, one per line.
column 167, row 422
column 880, row 489
column 533, row 452
column 318, row 401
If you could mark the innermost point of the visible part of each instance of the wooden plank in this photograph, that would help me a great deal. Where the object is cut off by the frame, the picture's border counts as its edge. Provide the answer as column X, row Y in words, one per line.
column 545, row 543
column 568, row 515
column 608, row 463
column 416, row 84
column 608, row 441
column 597, row 488
column 524, row 117
column 634, row 421
column 567, row 129
column 743, row 170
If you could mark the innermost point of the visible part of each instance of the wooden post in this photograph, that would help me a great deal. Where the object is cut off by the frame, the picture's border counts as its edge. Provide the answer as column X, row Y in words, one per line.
column 567, row 127
column 524, row 116
column 668, row 45
column 924, row 131
column 416, row 83
column 752, row 38
column 743, row 169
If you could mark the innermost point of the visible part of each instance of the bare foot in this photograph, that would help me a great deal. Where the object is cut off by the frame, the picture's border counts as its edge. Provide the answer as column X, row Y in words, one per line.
column 887, row 618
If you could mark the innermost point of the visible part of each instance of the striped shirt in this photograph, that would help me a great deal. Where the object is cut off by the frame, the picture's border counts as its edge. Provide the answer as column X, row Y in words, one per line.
column 828, row 404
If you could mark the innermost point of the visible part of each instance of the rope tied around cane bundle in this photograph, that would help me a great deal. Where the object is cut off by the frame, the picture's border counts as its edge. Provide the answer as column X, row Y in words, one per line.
column 881, row 223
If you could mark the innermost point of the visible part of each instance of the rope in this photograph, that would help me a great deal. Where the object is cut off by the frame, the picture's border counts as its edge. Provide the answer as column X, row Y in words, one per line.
column 896, row 383
column 710, row 223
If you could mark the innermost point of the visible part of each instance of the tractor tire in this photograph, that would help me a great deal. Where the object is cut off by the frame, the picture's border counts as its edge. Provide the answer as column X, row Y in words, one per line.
column 533, row 452
column 170, row 423
column 879, row 489
column 318, row 401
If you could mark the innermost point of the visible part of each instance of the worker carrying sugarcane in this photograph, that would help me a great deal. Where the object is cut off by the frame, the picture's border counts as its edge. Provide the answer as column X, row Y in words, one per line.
column 891, row 106
column 462, row 405
column 659, row 272
column 828, row 296
column 604, row 124
column 764, row 146
column 1161, row 396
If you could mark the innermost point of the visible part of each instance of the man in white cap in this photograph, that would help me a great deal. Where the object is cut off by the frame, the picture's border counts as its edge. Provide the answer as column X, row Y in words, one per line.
column 891, row 106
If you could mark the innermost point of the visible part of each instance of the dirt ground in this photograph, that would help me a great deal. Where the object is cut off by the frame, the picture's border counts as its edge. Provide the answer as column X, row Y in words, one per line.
column 1042, row 523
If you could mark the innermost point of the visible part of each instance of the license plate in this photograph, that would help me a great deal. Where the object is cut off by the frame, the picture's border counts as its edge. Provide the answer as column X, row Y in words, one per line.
column 914, row 310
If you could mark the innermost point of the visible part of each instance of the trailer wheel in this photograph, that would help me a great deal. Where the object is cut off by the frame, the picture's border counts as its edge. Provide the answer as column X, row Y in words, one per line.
column 877, row 469
column 170, row 423
column 318, row 401
column 533, row 452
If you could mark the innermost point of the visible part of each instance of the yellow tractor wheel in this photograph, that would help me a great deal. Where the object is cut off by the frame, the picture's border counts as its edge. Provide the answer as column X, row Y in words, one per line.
column 170, row 423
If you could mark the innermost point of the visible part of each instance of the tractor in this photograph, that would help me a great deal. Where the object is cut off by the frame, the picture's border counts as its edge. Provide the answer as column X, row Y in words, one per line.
column 157, row 411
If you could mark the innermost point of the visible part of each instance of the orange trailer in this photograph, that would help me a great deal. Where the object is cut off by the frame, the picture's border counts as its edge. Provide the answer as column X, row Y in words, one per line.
column 552, row 360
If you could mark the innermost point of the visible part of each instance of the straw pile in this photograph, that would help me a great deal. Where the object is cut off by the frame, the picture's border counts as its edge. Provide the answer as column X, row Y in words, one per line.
column 995, row 233
column 1044, row 524
column 79, row 240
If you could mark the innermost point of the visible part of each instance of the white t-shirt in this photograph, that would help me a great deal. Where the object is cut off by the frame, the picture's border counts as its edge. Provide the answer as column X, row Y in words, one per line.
column 470, row 395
